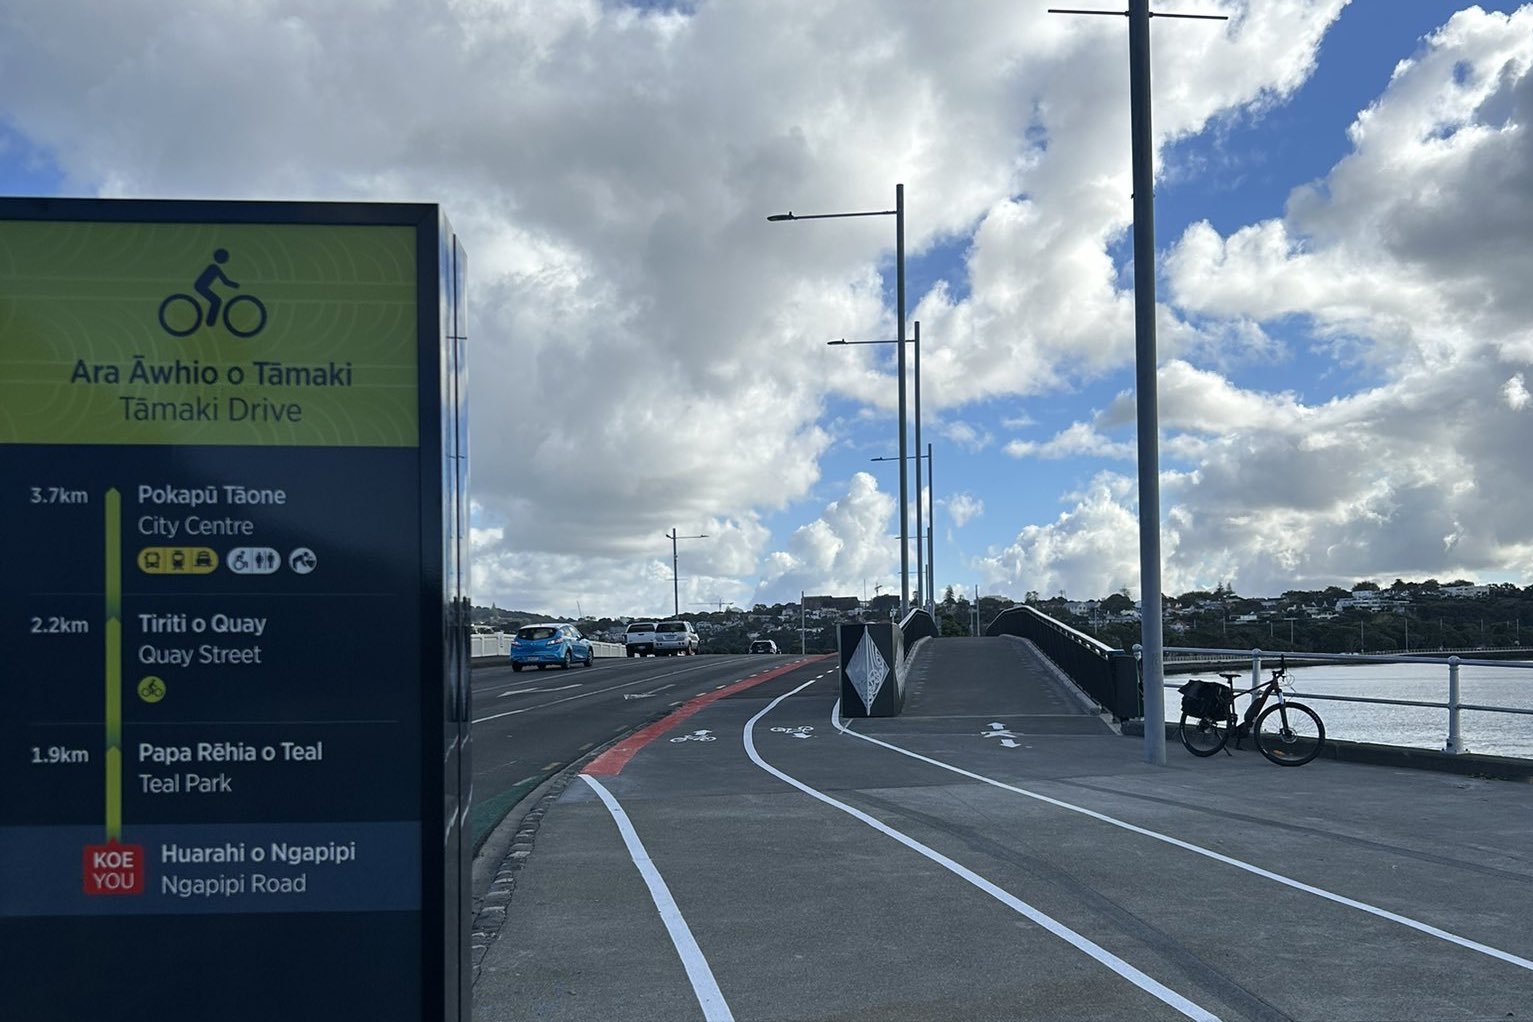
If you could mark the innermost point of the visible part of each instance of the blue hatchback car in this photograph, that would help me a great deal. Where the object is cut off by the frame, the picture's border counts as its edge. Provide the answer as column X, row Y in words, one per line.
column 549, row 644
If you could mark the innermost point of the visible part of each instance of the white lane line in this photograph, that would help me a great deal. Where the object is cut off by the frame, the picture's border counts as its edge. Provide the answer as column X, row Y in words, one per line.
column 1150, row 986
column 594, row 692
column 1298, row 885
column 711, row 999
column 526, row 691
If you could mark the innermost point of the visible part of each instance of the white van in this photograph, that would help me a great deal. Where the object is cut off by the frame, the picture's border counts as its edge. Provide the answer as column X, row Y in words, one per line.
column 639, row 639
column 673, row 637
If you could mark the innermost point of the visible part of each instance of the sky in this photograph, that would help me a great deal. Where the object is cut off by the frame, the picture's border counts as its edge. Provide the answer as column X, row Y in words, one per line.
column 1344, row 208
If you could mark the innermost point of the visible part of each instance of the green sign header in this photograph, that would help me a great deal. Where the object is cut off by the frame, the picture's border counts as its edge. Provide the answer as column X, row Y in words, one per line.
column 243, row 334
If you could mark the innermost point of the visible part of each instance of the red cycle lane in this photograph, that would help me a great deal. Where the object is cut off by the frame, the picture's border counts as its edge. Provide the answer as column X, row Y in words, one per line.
column 612, row 762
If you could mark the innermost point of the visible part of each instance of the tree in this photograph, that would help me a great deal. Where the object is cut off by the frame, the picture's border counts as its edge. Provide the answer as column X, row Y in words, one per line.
column 1117, row 603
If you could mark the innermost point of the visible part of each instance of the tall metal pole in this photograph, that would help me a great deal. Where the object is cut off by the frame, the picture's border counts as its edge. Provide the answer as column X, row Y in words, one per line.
column 675, row 576
column 899, row 268
column 1145, row 384
column 920, row 494
column 675, row 573
column 1152, row 663
column 931, row 521
column 899, row 289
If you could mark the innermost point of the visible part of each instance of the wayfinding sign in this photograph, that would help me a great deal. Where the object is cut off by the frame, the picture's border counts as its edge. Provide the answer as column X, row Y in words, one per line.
column 233, row 727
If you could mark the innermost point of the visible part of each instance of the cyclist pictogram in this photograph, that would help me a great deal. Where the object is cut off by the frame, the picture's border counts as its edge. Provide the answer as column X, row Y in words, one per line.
column 182, row 314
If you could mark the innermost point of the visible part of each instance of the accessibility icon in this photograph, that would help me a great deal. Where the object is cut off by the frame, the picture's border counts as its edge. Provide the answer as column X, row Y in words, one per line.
column 302, row 560
column 253, row 560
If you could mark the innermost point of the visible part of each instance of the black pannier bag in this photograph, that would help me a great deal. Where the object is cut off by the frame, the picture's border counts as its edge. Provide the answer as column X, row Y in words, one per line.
column 1205, row 699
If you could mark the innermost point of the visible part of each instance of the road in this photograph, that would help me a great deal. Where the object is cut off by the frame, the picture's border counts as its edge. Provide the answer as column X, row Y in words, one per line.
column 531, row 725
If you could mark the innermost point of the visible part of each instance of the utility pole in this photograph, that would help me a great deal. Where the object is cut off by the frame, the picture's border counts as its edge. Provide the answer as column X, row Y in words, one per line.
column 675, row 576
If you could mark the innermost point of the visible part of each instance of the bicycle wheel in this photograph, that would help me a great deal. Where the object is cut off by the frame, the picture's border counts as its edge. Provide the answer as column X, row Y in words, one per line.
column 1202, row 736
column 250, row 321
column 180, row 314
column 1289, row 734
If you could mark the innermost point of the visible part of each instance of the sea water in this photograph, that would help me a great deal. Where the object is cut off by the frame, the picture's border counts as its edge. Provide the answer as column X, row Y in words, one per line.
column 1496, row 734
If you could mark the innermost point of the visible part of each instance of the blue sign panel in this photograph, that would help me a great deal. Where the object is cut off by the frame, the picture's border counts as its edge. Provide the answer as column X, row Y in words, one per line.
column 231, row 757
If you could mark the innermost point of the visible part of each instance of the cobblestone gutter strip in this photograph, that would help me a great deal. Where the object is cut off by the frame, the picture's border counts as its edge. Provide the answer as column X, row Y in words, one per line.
column 492, row 907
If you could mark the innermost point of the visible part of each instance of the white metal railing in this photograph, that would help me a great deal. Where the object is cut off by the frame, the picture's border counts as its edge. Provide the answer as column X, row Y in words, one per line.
column 488, row 644
column 1454, row 742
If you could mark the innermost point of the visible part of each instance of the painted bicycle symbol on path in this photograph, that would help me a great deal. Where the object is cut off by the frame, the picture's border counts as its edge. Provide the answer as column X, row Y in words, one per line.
column 182, row 314
column 802, row 731
column 696, row 736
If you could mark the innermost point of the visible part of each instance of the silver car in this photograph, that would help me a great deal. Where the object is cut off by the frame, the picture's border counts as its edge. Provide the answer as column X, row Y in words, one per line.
column 675, row 637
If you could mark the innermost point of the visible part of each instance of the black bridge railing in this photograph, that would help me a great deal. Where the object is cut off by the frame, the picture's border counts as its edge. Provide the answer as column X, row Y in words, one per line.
column 1110, row 676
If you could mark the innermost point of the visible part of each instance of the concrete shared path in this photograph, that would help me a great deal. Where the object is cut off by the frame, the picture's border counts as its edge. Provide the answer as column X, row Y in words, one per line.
column 998, row 852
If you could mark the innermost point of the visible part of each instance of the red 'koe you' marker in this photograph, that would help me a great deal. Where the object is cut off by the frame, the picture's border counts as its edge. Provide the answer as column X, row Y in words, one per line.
column 114, row 869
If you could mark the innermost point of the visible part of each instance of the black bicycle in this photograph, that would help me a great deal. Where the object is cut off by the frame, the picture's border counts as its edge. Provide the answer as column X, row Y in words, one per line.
column 1286, row 732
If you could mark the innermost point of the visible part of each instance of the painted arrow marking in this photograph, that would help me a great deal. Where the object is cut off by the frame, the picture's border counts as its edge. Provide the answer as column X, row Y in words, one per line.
column 646, row 695
column 999, row 730
column 802, row 731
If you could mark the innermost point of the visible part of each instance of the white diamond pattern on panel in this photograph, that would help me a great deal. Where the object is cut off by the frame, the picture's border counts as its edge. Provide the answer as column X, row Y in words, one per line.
column 867, row 669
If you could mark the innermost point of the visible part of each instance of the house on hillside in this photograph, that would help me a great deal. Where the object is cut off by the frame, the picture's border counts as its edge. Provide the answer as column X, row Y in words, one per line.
column 1464, row 592
column 838, row 604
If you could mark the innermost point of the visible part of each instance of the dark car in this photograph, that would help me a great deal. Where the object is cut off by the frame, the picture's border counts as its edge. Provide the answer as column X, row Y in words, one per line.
column 763, row 646
column 550, row 644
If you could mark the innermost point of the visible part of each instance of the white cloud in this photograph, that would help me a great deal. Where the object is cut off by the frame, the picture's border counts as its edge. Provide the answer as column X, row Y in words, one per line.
column 963, row 508
column 851, row 544
column 1077, row 439
column 1410, row 259
column 1515, row 392
column 965, row 435
column 1092, row 549
column 647, row 352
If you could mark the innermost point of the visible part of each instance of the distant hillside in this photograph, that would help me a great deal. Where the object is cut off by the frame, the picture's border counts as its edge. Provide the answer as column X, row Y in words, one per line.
column 499, row 616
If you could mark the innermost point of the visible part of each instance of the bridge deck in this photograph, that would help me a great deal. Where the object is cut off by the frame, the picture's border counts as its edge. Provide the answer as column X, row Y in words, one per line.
column 998, row 852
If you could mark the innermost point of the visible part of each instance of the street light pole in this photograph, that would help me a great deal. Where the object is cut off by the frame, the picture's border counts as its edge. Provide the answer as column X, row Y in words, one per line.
column 920, row 494
column 898, row 212
column 929, row 577
column 924, row 577
column 676, row 575
column 1152, row 678
column 899, row 289
column 931, row 519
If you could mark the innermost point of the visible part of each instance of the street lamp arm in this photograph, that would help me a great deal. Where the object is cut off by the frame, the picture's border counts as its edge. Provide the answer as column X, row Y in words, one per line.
column 908, row 340
column 790, row 215
column 1153, row 14
column 898, row 212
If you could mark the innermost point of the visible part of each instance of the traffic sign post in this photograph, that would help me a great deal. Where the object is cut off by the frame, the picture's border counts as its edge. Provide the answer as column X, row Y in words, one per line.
column 234, row 758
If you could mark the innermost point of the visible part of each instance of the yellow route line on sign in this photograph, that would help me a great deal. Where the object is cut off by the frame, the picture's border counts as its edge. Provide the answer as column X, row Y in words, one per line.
column 113, row 665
